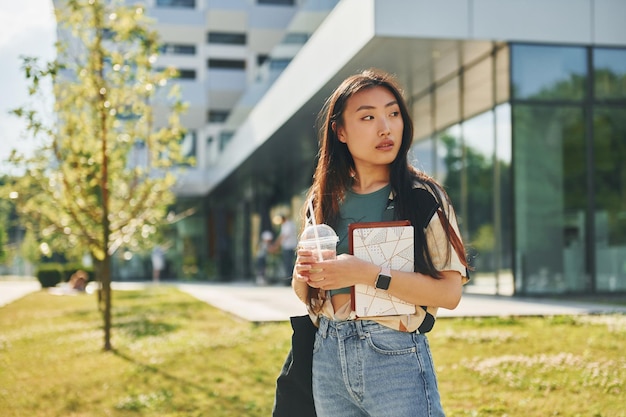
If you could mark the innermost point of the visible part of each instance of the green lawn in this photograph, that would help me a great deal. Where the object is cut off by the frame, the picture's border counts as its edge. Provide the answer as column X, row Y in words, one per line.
column 176, row 356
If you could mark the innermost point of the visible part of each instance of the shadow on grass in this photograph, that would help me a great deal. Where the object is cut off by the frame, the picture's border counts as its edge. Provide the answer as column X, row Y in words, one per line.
column 156, row 371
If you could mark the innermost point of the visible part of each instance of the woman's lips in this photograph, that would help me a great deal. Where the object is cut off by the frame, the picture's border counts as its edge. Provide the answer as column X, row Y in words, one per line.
column 385, row 145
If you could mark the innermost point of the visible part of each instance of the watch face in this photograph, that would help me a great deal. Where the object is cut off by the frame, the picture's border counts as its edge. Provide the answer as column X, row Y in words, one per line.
column 383, row 282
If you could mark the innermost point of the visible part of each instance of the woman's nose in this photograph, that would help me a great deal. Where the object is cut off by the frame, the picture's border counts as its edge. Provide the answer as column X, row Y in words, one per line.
column 383, row 129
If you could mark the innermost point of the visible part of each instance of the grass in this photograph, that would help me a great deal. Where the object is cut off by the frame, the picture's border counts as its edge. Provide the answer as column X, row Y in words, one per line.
column 177, row 356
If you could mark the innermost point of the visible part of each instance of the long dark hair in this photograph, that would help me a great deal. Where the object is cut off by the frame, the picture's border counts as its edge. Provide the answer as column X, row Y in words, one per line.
column 335, row 166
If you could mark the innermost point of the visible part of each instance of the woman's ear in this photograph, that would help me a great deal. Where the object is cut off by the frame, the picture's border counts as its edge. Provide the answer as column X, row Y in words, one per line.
column 338, row 132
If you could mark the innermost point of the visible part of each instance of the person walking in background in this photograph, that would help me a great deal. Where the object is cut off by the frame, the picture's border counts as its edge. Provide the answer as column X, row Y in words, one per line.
column 376, row 366
column 262, row 253
column 287, row 241
column 158, row 263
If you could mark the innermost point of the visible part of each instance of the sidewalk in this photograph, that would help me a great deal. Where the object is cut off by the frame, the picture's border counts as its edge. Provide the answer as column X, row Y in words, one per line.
column 277, row 303
column 262, row 304
column 16, row 289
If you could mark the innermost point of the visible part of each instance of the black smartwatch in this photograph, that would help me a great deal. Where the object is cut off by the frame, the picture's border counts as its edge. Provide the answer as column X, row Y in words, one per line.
column 383, row 279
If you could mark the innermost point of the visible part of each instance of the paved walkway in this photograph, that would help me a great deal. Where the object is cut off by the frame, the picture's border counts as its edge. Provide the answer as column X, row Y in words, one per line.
column 278, row 303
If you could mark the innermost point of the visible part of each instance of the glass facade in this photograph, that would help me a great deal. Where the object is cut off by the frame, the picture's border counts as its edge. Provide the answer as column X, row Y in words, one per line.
column 550, row 198
column 609, row 182
column 529, row 143
column 469, row 152
column 569, row 139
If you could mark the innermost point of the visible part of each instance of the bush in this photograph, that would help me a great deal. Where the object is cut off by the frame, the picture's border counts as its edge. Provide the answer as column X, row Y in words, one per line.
column 49, row 275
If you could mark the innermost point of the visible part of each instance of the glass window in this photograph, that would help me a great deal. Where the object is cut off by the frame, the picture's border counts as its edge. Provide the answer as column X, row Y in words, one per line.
column 609, row 66
column 477, row 201
column 188, row 4
column 227, row 64
column 186, row 74
column 478, row 88
column 225, row 137
column 188, row 145
column 447, row 111
column 543, row 72
column 422, row 117
column 610, row 192
column 276, row 2
column 261, row 58
column 228, row 38
column 422, row 156
column 178, row 49
column 297, row 38
column 218, row 116
column 550, row 198
column 503, row 200
column 449, row 163
column 279, row 63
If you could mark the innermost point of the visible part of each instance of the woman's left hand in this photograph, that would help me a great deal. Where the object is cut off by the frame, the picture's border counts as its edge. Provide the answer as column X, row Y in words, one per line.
column 345, row 271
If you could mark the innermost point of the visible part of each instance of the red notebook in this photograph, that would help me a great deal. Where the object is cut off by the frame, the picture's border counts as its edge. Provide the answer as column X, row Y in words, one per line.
column 388, row 244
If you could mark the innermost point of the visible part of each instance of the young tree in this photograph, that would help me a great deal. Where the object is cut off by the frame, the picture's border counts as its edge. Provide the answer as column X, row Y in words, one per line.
column 102, row 178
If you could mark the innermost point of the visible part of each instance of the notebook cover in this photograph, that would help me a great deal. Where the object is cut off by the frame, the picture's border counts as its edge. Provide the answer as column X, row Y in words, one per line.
column 381, row 243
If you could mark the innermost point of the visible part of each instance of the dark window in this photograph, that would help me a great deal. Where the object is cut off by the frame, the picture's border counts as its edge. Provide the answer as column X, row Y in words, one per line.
column 225, row 137
column 276, row 2
column 279, row 64
column 228, row 38
column 227, row 64
column 188, row 145
column 296, row 38
column 178, row 49
column 261, row 58
column 187, row 4
column 218, row 116
column 186, row 74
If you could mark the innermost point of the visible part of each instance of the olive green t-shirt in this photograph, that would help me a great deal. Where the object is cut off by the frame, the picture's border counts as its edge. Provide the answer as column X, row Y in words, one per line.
column 358, row 208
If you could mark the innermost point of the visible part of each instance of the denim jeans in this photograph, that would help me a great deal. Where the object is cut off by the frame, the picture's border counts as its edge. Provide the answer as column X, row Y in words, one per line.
column 361, row 368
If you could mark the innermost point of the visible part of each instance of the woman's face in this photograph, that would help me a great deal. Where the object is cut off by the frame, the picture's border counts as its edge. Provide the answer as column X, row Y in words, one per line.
column 372, row 127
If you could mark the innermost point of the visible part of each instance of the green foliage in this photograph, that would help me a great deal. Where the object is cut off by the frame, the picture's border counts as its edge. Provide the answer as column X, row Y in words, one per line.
column 49, row 274
column 84, row 187
column 102, row 178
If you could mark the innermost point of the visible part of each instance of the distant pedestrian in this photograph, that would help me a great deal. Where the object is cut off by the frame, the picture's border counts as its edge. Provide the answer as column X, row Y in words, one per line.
column 287, row 241
column 158, row 263
column 262, row 253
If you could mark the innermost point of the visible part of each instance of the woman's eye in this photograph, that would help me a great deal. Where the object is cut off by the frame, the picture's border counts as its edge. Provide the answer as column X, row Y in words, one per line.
column 395, row 113
column 368, row 118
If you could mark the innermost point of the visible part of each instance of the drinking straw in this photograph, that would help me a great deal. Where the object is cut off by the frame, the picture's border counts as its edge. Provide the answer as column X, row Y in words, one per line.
column 320, row 258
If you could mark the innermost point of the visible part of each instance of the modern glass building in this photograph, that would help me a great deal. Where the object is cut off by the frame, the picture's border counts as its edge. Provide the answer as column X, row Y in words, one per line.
column 520, row 111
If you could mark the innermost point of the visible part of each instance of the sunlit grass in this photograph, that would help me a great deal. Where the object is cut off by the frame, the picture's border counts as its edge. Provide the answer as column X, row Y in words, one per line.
column 177, row 356
column 174, row 356
column 534, row 366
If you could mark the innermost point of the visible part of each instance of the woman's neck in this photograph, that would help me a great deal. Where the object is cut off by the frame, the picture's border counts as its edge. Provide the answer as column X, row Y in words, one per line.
column 369, row 183
column 370, row 178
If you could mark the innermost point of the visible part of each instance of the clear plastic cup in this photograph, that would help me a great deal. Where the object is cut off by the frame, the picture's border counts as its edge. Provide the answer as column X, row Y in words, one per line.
column 321, row 239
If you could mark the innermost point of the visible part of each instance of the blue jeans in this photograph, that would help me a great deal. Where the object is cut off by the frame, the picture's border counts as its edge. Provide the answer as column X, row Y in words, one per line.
column 361, row 368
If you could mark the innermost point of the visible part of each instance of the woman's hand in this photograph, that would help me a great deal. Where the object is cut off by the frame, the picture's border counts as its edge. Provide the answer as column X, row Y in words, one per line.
column 344, row 271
